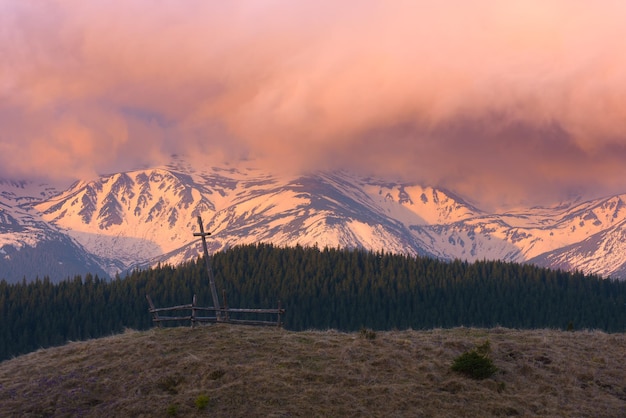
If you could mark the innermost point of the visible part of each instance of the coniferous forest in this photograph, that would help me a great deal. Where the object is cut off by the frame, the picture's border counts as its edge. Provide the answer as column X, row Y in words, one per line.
column 320, row 289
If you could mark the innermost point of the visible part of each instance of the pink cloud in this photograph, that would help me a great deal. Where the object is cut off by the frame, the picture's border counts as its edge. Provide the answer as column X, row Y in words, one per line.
column 482, row 95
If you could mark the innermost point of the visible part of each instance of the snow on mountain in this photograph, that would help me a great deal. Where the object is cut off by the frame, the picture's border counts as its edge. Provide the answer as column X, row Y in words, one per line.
column 126, row 217
column 601, row 251
column 142, row 217
column 31, row 247
column 149, row 215
column 600, row 254
column 416, row 205
column 542, row 235
column 20, row 224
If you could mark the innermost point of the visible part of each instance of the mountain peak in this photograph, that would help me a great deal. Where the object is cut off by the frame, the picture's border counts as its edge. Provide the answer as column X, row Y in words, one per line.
column 145, row 216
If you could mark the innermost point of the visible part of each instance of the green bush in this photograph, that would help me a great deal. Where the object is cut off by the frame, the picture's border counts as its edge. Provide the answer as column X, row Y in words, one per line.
column 172, row 410
column 475, row 363
column 202, row 401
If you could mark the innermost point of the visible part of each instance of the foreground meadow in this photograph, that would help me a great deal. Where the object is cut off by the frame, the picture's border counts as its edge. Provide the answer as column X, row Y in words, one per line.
column 236, row 371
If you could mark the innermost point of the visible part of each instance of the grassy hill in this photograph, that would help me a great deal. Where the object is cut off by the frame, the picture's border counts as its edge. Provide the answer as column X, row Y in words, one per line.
column 235, row 371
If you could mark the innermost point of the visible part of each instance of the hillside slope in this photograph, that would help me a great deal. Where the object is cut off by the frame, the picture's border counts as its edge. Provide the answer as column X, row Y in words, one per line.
column 245, row 371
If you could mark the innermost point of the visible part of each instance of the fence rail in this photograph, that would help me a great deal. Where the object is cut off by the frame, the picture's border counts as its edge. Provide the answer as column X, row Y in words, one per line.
column 224, row 315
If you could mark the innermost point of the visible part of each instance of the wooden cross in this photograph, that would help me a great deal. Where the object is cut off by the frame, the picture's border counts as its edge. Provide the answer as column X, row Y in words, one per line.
column 203, row 235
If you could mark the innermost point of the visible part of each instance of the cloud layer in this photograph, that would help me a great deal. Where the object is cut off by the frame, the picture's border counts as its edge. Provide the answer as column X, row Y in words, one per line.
column 517, row 101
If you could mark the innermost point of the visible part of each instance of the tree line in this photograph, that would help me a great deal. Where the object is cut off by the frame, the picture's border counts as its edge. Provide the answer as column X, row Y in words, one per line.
column 320, row 289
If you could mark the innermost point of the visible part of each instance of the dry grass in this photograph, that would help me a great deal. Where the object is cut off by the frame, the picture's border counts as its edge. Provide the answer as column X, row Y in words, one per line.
column 245, row 371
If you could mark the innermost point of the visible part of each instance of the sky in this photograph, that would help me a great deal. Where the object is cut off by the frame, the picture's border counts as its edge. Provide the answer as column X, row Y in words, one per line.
column 516, row 102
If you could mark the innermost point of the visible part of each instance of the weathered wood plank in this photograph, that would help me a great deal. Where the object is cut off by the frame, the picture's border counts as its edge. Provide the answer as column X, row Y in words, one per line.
column 172, row 308
column 173, row 318
column 222, row 315
column 267, row 311
column 155, row 315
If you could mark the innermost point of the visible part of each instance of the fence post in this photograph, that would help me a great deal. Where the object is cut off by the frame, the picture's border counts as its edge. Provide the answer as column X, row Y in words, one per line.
column 193, row 311
column 225, row 302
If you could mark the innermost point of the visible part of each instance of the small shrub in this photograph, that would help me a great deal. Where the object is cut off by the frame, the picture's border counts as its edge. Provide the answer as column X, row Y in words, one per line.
column 202, row 401
column 172, row 410
column 475, row 363
column 484, row 349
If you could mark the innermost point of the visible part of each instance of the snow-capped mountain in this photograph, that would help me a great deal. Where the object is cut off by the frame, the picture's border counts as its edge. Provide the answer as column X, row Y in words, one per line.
column 142, row 217
column 30, row 247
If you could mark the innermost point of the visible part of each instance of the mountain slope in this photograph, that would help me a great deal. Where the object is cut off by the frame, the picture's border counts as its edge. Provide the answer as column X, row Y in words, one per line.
column 149, row 215
column 30, row 247
column 128, row 216
column 143, row 217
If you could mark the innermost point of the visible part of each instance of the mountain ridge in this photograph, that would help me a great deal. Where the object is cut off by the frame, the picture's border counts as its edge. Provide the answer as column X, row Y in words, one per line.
column 147, row 216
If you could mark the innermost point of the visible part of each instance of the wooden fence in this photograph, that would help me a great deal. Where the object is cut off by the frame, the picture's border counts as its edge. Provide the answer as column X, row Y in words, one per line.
column 224, row 316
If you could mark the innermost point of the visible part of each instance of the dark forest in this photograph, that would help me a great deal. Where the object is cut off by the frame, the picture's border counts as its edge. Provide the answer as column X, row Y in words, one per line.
column 326, row 288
